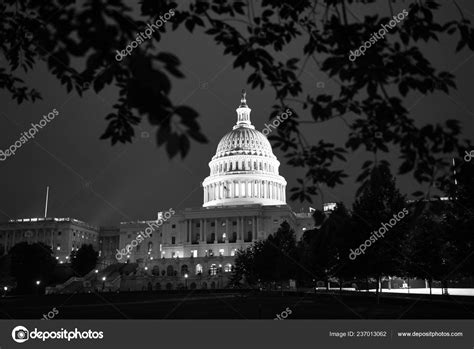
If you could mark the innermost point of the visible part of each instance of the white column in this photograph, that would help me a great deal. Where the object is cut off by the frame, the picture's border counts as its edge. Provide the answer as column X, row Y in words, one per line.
column 200, row 228
column 188, row 235
column 254, row 231
column 257, row 227
column 238, row 228
column 215, row 230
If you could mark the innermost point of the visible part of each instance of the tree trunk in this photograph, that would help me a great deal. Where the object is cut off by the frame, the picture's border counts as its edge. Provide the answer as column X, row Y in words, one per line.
column 445, row 287
column 340, row 285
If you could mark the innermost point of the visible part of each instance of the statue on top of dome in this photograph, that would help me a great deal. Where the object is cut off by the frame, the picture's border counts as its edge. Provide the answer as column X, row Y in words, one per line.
column 243, row 101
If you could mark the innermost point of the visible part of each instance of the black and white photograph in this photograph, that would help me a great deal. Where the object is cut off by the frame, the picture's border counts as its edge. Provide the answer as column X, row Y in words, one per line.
column 199, row 168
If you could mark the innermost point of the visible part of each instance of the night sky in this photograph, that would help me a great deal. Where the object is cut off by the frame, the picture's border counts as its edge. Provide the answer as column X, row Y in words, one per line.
column 102, row 184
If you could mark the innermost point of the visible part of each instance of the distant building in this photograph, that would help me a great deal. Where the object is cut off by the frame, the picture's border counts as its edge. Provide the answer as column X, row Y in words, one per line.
column 63, row 235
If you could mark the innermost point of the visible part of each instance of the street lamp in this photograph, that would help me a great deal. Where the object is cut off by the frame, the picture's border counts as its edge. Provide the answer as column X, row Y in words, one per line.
column 103, row 282
column 186, row 280
column 5, row 289
column 38, row 282
column 96, row 271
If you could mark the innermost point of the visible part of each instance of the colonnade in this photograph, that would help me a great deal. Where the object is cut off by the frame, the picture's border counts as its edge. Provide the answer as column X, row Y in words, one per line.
column 264, row 189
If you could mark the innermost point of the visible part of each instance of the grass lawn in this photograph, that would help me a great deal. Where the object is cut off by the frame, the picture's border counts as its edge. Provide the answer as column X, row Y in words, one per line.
column 234, row 305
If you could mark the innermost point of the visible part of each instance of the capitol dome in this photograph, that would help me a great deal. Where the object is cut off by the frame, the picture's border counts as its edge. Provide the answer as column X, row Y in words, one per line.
column 244, row 170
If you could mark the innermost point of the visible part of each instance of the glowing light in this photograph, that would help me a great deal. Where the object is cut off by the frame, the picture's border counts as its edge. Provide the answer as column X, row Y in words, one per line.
column 104, row 278
column 38, row 282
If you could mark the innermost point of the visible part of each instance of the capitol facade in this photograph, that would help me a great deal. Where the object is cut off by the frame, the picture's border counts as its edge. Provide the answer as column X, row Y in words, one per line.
column 244, row 200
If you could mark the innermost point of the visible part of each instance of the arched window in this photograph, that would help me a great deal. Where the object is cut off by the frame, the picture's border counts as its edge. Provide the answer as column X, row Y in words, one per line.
column 213, row 269
column 170, row 270
column 184, row 269
column 156, row 270
column 198, row 269
column 228, row 268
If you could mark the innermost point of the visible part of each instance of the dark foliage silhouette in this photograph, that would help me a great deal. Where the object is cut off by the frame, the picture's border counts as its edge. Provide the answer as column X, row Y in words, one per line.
column 371, row 89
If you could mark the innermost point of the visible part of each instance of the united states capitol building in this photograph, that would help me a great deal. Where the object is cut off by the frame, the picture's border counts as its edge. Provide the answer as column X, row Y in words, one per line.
column 244, row 200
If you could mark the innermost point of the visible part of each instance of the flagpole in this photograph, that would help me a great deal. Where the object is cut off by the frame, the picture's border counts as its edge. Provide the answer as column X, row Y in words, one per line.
column 46, row 204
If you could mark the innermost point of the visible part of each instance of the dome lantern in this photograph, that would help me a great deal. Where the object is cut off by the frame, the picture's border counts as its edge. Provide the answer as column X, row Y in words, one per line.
column 243, row 113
